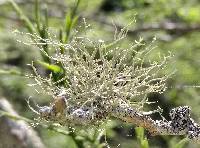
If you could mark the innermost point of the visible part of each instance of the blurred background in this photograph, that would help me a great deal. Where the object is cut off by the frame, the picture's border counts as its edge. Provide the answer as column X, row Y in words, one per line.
column 175, row 23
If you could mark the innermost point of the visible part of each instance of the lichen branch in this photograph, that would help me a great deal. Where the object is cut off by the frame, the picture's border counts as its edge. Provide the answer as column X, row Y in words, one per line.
column 180, row 122
column 103, row 80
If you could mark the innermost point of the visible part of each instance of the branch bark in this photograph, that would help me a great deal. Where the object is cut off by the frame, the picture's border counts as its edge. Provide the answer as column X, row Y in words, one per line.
column 177, row 29
column 180, row 122
column 16, row 134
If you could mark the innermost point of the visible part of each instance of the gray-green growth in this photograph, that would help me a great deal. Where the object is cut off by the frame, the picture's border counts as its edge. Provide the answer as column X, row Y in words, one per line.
column 101, row 80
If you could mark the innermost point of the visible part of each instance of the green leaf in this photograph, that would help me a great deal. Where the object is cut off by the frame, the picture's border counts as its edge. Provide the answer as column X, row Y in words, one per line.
column 71, row 20
column 52, row 67
column 74, row 21
column 22, row 16
column 46, row 17
column 74, row 10
column 68, row 23
column 37, row 15
column 140, row 135
column 144, row 143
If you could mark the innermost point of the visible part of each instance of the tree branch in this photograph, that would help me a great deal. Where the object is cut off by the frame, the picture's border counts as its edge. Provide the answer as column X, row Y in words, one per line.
column 16, row 134
column 178, row 29
column 180, row 124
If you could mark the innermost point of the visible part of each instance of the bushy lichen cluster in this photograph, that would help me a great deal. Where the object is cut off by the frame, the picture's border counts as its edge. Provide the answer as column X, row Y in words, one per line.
column 98, row 75
column 100, row 80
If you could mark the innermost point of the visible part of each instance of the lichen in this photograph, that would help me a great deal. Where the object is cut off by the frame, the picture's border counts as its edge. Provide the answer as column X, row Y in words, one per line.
column 101, row 79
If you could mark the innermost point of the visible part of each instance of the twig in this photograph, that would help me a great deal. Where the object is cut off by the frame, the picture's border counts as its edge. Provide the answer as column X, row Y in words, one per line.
column 180, row 124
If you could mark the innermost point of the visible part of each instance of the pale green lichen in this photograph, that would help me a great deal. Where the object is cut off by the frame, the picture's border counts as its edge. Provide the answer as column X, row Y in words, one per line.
column 100, row 80
column 96, row 69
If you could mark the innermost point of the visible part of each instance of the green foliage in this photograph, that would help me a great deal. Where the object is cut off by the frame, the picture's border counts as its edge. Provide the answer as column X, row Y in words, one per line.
column 70, row 22
column 23, row 17
column 53, row 68
column 141, row 137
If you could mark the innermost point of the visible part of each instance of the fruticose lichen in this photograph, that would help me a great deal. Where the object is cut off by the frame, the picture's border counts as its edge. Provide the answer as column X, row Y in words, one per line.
column 100, row 80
